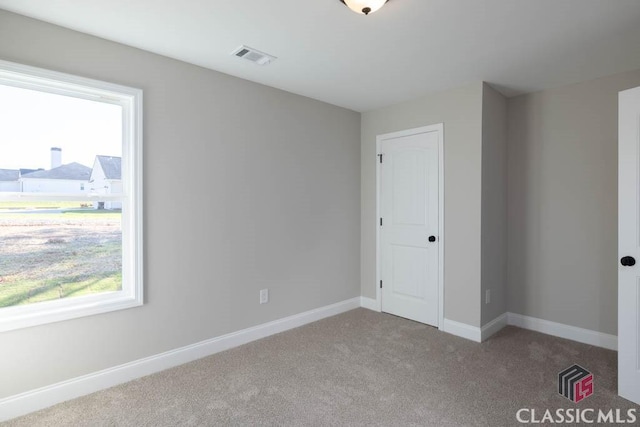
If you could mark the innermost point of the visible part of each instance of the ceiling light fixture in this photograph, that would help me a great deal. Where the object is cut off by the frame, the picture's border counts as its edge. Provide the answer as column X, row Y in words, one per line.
column 364, row 7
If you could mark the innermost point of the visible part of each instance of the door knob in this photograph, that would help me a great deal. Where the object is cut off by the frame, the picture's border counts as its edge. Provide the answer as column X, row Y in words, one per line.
column 628, row 261
column 432, row 239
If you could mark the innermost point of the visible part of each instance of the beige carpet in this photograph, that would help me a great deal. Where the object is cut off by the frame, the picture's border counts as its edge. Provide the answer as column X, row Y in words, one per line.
column 358, row 368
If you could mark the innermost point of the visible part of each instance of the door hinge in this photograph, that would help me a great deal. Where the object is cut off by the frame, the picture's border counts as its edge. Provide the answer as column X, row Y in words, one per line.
column 380, row 284
column 380, row 222
column 380, row 156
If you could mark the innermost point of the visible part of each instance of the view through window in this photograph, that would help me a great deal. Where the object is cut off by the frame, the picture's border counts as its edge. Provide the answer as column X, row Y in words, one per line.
column 58, row 146
column 69, row 202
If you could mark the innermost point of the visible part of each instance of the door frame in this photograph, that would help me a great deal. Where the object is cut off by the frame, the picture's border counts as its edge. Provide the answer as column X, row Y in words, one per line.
column 439, row 128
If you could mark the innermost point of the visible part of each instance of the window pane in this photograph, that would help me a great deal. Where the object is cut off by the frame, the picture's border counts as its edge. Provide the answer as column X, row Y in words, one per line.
column 58, row 249
column 70, row 197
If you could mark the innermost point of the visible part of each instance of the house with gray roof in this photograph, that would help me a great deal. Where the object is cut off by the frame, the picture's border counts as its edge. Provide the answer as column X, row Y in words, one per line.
column 10, row 180
column 106, row 178
column 70, row 178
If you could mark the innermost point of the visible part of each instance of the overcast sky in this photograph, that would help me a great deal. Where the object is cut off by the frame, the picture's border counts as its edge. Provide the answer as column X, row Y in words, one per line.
column 32, row 122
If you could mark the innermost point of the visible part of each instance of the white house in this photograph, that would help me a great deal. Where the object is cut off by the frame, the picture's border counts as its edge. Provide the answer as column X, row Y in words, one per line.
column 10, row 180
column 70, row 178
column 106, row 178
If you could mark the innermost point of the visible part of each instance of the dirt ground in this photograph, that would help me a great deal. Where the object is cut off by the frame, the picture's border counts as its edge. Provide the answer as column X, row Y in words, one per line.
column 58, row 255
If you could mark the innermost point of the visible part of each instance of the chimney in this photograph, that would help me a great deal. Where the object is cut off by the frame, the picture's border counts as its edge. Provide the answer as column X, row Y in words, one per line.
column 56, row 157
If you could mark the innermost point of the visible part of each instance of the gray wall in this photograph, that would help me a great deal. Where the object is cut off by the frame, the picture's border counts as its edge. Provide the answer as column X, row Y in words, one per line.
column 460, row 110
column 562, row 203
column 494, row 203
column 246, row 187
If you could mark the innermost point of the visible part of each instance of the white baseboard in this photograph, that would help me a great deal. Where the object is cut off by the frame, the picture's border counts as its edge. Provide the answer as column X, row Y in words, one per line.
column 369, row 303
column 585, row 336
column 462, row 330
column 24, row 403
column 474, row 333
column 494, row 326
column 561, row 330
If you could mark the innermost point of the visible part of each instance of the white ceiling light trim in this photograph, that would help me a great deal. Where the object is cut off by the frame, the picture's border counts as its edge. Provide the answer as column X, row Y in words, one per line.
column 364, row 7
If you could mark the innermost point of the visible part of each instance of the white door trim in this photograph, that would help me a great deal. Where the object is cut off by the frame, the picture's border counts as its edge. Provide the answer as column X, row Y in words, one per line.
column 441, row 241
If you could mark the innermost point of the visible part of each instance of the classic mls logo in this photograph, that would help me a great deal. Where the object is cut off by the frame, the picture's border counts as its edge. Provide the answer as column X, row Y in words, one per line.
column 575, row 383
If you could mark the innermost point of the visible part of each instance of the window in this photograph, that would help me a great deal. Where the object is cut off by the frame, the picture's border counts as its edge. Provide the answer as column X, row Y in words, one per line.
column 70, row 197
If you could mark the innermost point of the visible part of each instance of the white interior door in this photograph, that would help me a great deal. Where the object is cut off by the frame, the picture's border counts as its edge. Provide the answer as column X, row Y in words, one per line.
column 409, row 227
column 629, row 245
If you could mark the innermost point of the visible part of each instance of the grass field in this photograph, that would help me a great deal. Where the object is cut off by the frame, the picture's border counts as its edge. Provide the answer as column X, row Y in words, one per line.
column 58, row 255
column 27, row 204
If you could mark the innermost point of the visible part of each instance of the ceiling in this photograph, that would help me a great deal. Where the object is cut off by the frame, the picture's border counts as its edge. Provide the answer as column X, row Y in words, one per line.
column 407, row 49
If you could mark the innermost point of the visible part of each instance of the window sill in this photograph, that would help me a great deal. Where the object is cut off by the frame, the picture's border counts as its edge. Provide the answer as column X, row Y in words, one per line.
column 19, row 317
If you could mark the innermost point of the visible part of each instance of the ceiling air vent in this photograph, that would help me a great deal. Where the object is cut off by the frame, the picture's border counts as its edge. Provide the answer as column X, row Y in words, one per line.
column 253, row 55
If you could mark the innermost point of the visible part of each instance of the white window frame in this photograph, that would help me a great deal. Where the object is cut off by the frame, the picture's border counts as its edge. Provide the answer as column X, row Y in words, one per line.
column 130, row 99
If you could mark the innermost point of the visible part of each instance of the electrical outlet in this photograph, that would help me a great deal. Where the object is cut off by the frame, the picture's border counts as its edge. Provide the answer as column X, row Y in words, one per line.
column 264, row 296
column 487, row 296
